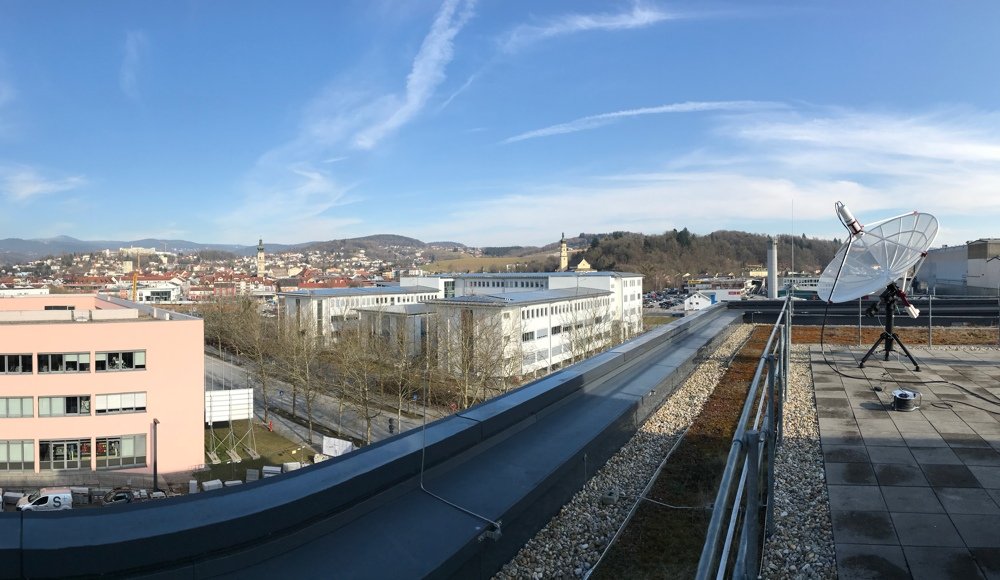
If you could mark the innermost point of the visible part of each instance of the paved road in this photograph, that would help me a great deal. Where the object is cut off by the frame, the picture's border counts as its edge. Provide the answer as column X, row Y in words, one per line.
column 230, row 373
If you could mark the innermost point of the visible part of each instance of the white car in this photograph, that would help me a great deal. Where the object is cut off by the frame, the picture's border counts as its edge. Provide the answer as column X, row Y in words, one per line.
column 47, row 499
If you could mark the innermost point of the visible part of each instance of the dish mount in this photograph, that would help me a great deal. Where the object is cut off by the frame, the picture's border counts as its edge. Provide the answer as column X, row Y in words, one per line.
column 890, row 296
column 875, row 258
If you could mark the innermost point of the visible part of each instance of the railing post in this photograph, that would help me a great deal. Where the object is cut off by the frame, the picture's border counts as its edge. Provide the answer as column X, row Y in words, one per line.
column 747, row 567
column 859, row 321
column 774, row 422
column 710, row 550
column 930, row 320
column 746, row 450
column 787, row 342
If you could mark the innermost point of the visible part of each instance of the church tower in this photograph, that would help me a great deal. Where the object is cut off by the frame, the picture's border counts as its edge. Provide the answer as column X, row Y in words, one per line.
column 563, row 254
column 260, row 257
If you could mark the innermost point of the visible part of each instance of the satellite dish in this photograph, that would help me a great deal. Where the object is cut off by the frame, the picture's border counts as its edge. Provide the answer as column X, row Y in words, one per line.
column 874, row 258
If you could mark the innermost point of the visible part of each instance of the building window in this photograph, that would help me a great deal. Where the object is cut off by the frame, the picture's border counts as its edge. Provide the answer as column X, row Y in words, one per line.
column 120, row 403
column 63, row 406
column 64, row 454
column 11, row 407
column 70, row 362
column 528, row 336
column 120, row 361
column 11, row 364
column 17, row 455
column 542, row 333
column 124, row 451
column 556, row 329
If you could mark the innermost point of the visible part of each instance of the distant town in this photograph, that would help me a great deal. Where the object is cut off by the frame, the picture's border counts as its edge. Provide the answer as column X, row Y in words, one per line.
column 158, row 275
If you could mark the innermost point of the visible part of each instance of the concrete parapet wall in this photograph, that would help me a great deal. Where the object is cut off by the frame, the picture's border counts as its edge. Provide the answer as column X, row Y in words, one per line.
column 260, row 523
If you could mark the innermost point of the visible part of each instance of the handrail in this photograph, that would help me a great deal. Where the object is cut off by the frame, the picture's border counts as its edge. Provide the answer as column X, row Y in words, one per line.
column 745, row 464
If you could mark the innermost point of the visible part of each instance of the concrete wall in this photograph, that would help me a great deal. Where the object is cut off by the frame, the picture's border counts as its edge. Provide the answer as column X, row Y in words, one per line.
column 944, row 270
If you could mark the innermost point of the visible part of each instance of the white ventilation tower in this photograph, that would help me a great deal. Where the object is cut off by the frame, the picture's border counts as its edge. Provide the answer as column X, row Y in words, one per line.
column 772, row 270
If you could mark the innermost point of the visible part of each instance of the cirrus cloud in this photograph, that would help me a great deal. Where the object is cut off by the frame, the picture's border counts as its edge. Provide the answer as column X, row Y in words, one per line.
column 639, row 16
column 136, row 43
column 22, row 183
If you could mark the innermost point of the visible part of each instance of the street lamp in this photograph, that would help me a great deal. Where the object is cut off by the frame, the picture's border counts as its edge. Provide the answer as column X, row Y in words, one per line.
column 155, row 484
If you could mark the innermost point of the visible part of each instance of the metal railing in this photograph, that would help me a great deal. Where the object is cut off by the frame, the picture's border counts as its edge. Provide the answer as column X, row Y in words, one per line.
column 747, row 487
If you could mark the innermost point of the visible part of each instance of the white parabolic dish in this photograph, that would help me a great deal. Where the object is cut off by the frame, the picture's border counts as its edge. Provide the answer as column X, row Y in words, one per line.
column 877, row 257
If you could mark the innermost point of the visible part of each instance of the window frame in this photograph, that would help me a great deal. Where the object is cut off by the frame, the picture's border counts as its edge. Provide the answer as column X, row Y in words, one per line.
column 26, row 454
column 121, row 408
column 104, row 445
column 104, row 358
column 82, row 402
column 5, row 408
column 64, row 362
column 25, row 360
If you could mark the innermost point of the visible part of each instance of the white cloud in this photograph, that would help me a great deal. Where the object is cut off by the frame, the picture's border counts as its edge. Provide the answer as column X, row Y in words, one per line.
column 774, row 171
column 639, row 16
column 22, row 184
column 903, row 136
column 296, row 201
column 136, row 43
column 426, row 74
column 291, row 190
column 468, row 83
column 594, row 121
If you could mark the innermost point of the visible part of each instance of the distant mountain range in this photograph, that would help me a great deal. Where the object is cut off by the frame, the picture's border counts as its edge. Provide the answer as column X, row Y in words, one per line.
column 17, row 250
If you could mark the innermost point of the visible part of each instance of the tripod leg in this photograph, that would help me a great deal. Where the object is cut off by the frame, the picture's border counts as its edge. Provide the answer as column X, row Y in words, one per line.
column 861, row 365
column 916, row 366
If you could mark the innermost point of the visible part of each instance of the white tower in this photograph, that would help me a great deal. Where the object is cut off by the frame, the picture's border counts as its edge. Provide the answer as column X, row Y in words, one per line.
column 260, row 257
column 563, row 254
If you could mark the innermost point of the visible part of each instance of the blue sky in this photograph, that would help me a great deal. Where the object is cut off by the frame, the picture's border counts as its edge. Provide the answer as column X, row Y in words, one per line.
column 494, row 122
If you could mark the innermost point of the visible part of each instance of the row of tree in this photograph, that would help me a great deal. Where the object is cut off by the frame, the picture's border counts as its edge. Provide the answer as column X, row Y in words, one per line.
column 664, row 259
column 376, row 368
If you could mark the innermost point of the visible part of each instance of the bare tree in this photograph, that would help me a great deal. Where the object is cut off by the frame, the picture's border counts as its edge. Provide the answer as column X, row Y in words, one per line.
column 218, row 323
column 399, row 340
column 477, row 350
column 255, row 337
column 300, row 362
column 357, row 375
column 587, row 326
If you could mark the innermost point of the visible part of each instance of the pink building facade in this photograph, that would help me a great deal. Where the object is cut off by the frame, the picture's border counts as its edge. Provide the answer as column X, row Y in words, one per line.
column 83, row 377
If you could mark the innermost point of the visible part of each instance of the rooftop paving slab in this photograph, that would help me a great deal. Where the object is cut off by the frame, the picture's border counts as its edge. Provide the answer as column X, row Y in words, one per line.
column 913, row 494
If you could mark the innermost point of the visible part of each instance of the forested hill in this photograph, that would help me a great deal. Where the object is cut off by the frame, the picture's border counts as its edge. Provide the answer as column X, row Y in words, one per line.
column 664, row 259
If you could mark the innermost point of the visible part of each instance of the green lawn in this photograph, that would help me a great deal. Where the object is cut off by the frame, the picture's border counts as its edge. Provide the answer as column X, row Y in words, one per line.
column 273, row 449
column 651, row 321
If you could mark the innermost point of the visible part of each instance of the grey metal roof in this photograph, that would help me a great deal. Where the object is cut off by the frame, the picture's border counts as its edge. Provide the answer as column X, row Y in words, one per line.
column 367, row 291
column 509, row 275
column 520, row 298
column 418, row 308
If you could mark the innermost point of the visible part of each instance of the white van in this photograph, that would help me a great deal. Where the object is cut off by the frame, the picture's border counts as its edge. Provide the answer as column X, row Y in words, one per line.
column 47, row 499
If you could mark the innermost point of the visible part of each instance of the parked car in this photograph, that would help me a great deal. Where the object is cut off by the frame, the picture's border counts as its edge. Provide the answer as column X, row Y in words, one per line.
column 120, row 495
column 47, row 499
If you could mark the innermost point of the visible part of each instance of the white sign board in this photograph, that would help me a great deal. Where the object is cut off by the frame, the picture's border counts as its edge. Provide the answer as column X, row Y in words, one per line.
column 228, row 405
column 334, row 447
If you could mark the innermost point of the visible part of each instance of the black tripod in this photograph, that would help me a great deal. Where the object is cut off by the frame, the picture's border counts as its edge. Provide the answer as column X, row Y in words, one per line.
column 889, row 297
